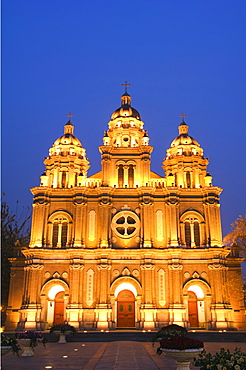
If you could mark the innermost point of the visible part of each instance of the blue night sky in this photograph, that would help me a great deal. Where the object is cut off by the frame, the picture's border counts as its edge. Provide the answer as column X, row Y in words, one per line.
column 72, row 56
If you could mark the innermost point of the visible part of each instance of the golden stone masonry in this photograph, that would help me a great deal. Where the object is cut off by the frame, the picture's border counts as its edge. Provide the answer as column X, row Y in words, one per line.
column 126, row 247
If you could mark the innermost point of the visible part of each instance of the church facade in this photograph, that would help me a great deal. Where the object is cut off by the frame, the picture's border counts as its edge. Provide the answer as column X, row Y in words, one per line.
column 126, row 248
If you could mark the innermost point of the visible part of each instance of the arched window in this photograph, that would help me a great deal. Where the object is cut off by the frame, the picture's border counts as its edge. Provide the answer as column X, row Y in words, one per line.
column 130, row 176
column 187, row 234
column 59, row 230
column 63, row 179
column 192, row 229
column 121, row 176
column 188, row 180
column 196, row 233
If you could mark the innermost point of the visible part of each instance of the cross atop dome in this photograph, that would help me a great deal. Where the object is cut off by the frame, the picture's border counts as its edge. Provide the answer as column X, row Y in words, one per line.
column 126, row 84
column 182, row 115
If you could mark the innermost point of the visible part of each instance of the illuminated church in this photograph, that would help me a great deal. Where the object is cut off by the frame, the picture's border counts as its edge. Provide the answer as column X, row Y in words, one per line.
column 125, row 247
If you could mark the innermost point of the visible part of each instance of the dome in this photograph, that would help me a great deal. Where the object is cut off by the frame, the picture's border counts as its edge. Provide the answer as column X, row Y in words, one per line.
column 126, row 110
column 184, row 139
column 68, row 139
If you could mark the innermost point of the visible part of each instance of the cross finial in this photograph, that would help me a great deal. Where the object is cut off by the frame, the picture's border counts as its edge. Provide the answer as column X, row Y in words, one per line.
column 69, row 115
column 183, row 116
column 126, row 84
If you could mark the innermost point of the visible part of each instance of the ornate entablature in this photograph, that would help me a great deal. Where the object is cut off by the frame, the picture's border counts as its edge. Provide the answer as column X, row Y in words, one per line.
column 125, row 247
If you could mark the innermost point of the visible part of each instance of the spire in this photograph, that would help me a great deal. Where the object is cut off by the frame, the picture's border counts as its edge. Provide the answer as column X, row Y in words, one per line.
column 183, row 127
column 126, row 98
column 69, row 128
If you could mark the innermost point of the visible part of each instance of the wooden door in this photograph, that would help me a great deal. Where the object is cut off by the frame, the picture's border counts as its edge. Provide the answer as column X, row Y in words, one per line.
column 126, row 309
column 192, row 310
column 59, row 308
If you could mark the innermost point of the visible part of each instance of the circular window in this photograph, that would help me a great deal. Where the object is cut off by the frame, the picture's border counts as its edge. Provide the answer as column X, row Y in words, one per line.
column 125, row 224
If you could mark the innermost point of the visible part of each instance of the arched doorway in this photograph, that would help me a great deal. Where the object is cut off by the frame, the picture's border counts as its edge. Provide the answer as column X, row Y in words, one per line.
column 59, row 308
column 125, row 309
column 192, row 309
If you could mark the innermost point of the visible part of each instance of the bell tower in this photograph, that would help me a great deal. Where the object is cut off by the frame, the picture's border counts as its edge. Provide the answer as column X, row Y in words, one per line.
column 185, row 165
column 126, row 150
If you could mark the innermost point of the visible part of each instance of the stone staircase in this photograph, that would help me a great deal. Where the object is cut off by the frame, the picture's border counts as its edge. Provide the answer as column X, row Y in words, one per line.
column 139, row 336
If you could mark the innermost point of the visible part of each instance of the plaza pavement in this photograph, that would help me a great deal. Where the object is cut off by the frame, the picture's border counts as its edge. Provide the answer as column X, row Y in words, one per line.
column 118, row 355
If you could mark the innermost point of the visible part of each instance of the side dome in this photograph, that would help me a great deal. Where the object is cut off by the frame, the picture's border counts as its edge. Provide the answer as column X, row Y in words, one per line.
column 184, row 138
column 68, row 138
column 126, row 110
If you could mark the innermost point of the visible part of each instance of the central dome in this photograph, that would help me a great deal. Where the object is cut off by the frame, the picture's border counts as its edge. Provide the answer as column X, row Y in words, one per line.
column 184, row 139
column 126, row 110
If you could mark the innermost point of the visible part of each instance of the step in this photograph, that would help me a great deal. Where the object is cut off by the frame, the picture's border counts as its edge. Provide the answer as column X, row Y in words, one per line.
column 139, row 336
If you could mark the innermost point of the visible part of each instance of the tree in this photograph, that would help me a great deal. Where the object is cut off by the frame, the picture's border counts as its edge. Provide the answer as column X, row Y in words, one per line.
column 238, row 235
column 15, row 234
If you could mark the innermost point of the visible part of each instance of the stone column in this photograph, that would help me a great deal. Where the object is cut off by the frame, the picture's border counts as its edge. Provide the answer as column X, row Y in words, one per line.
column 173, row 204
column 147, row 220
column 148, row 309
column 75, row 301
column 105, row 207
column 177, row 311
column 104, row 311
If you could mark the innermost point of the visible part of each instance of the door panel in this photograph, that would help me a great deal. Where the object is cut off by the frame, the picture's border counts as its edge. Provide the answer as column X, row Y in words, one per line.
column 126, row 309
column 59, row 308
column 192, row 310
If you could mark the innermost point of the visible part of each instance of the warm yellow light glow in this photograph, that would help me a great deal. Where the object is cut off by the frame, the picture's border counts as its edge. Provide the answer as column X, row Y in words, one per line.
column 124, row 286
column 197, row 290
column 48, row 367
column 64, row 356
column 83, row 345
column 75, row 349
column 1, row 330
column 54, row 290
column 144, row 331
column 85, row 331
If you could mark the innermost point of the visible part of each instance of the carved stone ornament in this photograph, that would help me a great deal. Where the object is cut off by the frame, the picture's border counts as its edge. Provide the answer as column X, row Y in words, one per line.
column 147, row 266
column 135, row 273
column 36, row 266
column 104, row 266
column 56, row 275
column 65, row 274
column 195, row 275
column 187, row 275
column 105, row 201
column 116, row 273
column 172, row 202
column 76, row 266
column 80, row 201
column 216, row 266
column 47, row 274
column 146, row 201
column 126, row 271
column 175, row 266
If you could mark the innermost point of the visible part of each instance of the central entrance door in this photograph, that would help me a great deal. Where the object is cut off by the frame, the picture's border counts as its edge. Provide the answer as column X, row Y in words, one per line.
column 192, row 310
column 59, row 308
column 126, row 309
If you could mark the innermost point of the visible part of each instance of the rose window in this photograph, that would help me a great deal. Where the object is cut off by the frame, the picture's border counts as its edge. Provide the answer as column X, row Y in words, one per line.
column 125, row 224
